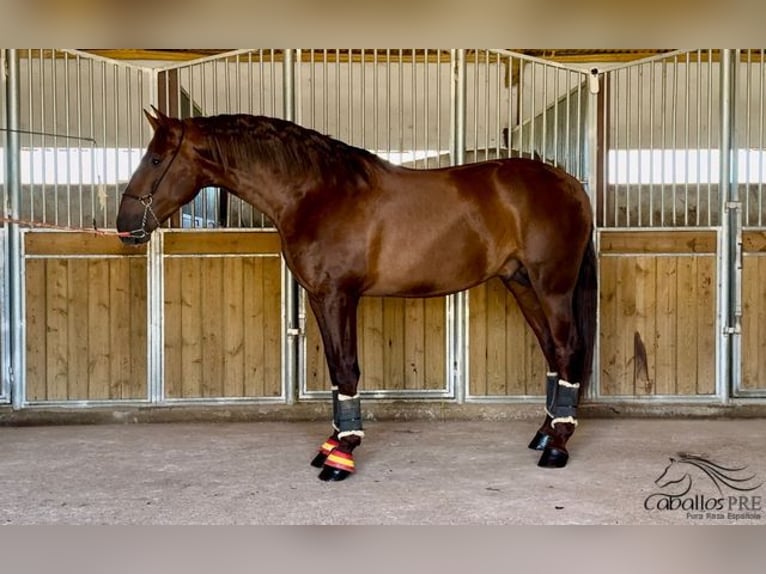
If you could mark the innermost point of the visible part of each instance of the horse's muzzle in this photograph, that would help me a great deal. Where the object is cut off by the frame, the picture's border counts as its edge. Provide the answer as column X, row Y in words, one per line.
column 135, row 237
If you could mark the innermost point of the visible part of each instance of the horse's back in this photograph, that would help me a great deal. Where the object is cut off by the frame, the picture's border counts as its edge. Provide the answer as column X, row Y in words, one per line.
column 444, row 230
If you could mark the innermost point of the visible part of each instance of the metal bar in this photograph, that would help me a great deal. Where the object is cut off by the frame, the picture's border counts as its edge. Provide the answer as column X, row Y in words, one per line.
column 17, row 326
column 729, row 193
column 155, row 320
column 458, row 342
column 293, row 336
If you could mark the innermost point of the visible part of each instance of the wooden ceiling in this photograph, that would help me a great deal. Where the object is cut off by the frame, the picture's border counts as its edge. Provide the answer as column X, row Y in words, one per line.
column 561, row 55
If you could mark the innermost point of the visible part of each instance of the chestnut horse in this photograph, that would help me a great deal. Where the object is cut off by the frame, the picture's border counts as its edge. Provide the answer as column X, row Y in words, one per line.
column 352, row 224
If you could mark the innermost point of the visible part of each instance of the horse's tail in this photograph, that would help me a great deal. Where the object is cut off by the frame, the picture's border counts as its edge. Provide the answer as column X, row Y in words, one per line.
column 585, row 305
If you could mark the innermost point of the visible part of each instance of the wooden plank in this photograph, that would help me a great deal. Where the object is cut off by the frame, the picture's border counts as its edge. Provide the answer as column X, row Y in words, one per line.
column 57, row 311
column 233, row 328
column 77, row 243
column 137, row 384
column 706, row 316
column 435, row 343
column 252, row 270
column 191, row 328
column 119, row 328
column 317, row 377
column 393, row 333
column 37, row 330
column 537, row 365
column 497, row 331
column 686, row 356
column 645, row 334
column 516, row 345
column 609, row 360
column 627, row 321
column 753, row 321
column 272, row 326
column 99, row 329
column 477, row 340
column 666, row 325
column 677, row 241
column 214, row 243
column 414, row 344
column 77, row 322
column 754, row 241
column 371, row 343
column 211, row 320
column 173, row 328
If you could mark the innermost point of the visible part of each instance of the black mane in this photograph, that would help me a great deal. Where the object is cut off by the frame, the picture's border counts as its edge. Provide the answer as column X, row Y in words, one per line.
column 285, row 147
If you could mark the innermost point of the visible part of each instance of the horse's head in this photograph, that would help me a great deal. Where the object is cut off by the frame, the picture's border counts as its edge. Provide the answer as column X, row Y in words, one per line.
column 166, row 179
column 673, row 474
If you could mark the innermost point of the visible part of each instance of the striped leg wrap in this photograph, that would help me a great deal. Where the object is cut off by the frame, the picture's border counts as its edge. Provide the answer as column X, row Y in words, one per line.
column 340, row 460
column 567, row 395
column 328, row 446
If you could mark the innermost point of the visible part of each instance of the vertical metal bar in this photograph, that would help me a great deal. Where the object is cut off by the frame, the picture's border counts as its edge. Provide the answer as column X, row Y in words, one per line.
column 652, row 68
column 699, row 138
column 761, row 174
column 17, row 327
column 68, row 157
column 79, row 136
column 628, row 91
column 686, row 142
column 729, row 197
column 591, row 151
column 639, row 141
column 457, row 344
column 155, row 337
column 291, row 379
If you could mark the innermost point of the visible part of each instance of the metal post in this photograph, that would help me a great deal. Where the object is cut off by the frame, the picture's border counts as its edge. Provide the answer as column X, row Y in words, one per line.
column 731, row 224
column 458, row 303
column 14, row 269
column 589, row 165
column 291, row 288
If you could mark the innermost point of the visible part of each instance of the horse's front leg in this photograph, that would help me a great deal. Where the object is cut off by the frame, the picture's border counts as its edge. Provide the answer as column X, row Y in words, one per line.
column 336, row 316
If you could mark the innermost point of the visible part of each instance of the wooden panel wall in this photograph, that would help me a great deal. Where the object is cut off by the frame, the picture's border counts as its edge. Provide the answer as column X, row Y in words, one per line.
column 504, row 356
column 754, row 310
column 85, row 318
column 658, row 313
column 401, row 345
column 223, row 315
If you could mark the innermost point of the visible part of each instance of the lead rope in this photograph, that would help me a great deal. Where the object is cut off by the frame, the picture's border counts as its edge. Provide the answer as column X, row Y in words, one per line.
column 43, row 225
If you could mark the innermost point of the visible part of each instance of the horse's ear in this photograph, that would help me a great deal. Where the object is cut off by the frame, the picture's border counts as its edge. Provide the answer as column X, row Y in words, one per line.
column 154, row 121
column 158, row 119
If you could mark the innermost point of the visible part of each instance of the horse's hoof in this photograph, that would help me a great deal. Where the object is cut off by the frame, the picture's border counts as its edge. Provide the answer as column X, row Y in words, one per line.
column 540, row 441
column 330, row 474
column 319, row 459
column 327, row 447
column 553, row 457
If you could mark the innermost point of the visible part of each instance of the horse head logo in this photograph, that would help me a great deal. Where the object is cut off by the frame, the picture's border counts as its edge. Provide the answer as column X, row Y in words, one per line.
column 677, row 475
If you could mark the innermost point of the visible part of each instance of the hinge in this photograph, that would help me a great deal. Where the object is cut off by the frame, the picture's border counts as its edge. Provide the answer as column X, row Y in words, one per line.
column 294, row 332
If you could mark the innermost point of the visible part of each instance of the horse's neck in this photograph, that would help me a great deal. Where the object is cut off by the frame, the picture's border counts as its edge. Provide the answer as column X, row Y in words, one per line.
column 268, row 192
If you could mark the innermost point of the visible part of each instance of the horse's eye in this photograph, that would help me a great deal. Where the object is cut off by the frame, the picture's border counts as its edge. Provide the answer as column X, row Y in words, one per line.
column 156, row 161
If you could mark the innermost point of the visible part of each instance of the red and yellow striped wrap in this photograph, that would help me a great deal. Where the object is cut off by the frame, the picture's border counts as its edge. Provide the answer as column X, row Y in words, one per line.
column 328, row 446
column 340, row 460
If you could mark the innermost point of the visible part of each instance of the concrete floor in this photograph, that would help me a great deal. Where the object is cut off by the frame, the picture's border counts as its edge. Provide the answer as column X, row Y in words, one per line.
column 409, row 472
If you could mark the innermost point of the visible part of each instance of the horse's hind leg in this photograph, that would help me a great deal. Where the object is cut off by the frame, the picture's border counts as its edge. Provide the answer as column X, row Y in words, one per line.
column 336, row 316
column 525, row 296
column 563, row 410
